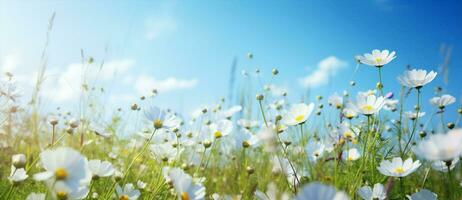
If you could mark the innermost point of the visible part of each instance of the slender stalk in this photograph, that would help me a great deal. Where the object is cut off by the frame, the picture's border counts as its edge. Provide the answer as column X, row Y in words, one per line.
column 415, row 123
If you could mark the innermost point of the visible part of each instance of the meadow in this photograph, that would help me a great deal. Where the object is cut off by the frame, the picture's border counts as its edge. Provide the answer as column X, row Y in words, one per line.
column 367, row 145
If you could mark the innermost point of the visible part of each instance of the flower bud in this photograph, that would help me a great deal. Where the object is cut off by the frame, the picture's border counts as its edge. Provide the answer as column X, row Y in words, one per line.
column 260, row 97
column 19, row 160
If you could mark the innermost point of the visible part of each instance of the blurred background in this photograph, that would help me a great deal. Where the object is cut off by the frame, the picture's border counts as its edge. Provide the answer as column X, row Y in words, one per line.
column 196, row 52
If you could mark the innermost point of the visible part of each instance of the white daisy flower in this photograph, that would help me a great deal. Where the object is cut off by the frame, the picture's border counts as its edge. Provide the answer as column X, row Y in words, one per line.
column 441, row 147
column 416, row 78
column 349, row 113
column 368, row 105
column 36, row 196
column 247, row 124
column 17, row 175
column 335, row 101
column 319, row 191
column 100, row 168
column 221, row 128
column 414, row 115
column 443, row 101
column 66, row 165
column 63, row 191
column 162, row 119
column 128, row 192
column 315, row 150
column 184, row 186
column 423, row 194
column 271, row 193
column 398, row 168
column 442, row 165
column 378, row 193
column 297, row 114
column 351, row 155
column 377, row 58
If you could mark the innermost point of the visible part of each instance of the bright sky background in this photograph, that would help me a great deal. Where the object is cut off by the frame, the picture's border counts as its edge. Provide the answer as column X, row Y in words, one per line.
column 186, row 48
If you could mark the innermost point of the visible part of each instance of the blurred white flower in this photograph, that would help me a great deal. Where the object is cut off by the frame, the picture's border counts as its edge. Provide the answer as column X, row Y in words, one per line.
column 351, row 154
column 17, row 175
column 319, row 191
column 184, row 185
column 100, row 168
column 297, row 114
column 336, row 101
column 398, row 168
column 378, row 193
column 377, row 58
column 162, row 119
column 416, row 78
column 271, row 193
column 221, row 128
column 414, row 115
column 61, row 190
column 36, row 196
column 443, row 101
column 442, row 165
column 390, row 104
column 423, row 194
column 315, row 150
column 66, row 165
column 441, row 147
column 128, row 192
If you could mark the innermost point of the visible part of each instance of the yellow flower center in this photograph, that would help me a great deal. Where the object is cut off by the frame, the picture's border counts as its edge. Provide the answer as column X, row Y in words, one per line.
column 350, row 158
column 123, row 197
column 299, row 118
column 158, row 124
column 61, row 195
column 218, row 134
column 378, row 60
column 184, row 196
column 348, row 134
column 61, row 174
column 367, row 108
column 399, row 170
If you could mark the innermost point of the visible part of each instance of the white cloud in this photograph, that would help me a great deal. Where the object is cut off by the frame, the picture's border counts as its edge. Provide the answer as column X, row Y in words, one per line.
column 10, row 62
column 158, row 27
column 325, row 69
column 145, row 84
column 65, row 85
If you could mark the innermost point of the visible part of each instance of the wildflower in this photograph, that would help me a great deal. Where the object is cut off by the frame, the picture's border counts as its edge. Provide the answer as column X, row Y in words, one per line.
column 319, row 191
column 315, row 150
column 414, row 115
column 184, row 186
column 221, row 128
column 351, row 155
column 368, row 105
column 66, row 165
column 390, row 104
column 423, row 194
column 163, row 152
column 62, row 191
column 377, row 58
column 298, row 114
column 162, row 119
column 378, row 193
column 441, row 147
column 128, row 192
column 247, row 124
column 18, row 160
column 271, row 193
column 140, row 184
column 349, row 132
column 398, row 168
column 442, row 166
column 100, row 168
column 17, row 175
column 268, row 136
column 416, row 78
column 349, row 113
column 36, row 196
column 443, row 101
column 336, row 101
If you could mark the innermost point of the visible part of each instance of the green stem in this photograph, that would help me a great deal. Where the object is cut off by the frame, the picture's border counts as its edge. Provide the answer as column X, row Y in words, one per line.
column 415, row 123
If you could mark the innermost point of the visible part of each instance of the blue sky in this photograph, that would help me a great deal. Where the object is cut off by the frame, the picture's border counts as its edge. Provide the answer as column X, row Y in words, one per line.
column 186, row 48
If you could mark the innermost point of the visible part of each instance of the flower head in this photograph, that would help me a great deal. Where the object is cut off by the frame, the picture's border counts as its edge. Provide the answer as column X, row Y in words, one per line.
column 319, row 191
column 398, row 168
column 351, row 154
column 377, row 58
column 128, row 192
column 100, row 168
column 378, row 192
column 184, row 185
column 298, row 114
column 416, row 78
column 368, row 104
column 441, row 147
column 443, row 101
